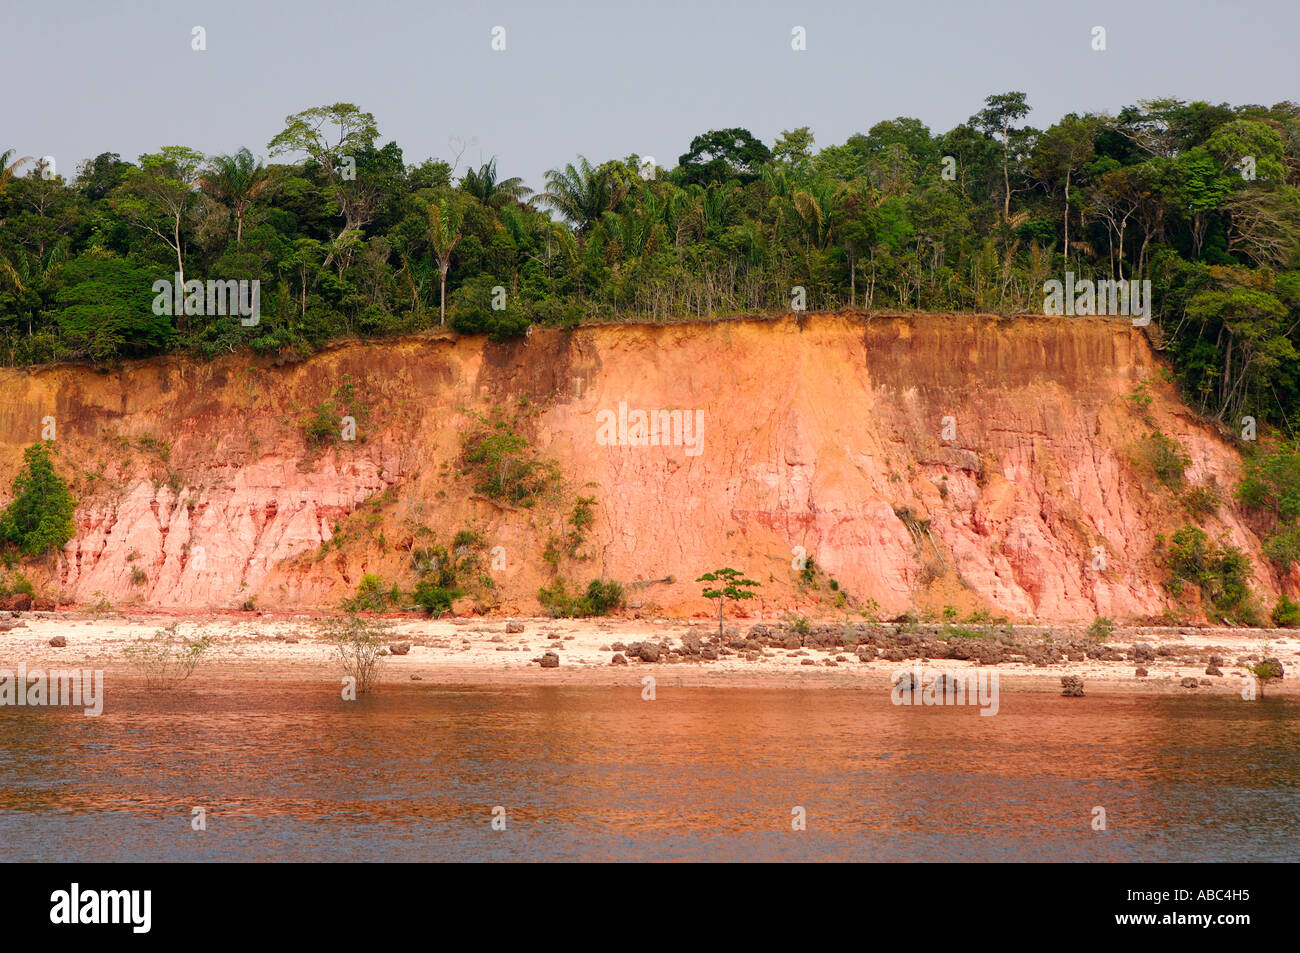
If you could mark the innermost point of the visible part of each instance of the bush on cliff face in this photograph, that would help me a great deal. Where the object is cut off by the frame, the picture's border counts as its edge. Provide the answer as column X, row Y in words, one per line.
column 39, row 520
column 499, row 461
column 1221, row 572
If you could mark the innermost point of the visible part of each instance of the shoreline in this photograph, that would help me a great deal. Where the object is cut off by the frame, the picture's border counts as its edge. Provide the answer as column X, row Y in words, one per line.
column 478, row 651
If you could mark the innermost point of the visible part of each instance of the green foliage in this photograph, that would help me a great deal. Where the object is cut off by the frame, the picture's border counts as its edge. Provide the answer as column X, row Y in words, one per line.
column 1270, row 490
column 1165, row 458
column 1286, row 613
column 371, row 596
column 500, row 463
column 39, row 520
column 601, row 598
column 727, row 584
column 1101, row 628
column 433, row 598
column 1221, row 572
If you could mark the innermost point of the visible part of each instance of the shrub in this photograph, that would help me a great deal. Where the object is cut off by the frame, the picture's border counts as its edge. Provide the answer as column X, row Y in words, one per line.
column 1166, row 459
column 601, row 598
column 433, row 598
column 498, row 460
column 1101, row 629
column 39, row 519
column 1221, row 573
column 167, row 658
column 1286, row 614
column 358, row 642
column 371, row 596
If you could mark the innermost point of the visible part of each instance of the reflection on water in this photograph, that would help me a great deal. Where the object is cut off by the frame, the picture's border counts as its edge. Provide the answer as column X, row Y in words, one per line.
column 291, row 772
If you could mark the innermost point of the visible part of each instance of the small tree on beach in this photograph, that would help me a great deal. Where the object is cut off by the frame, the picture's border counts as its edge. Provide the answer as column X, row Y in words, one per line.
column 358, row 642
column 1266, row 669
column 168, row 658
column 727, row 583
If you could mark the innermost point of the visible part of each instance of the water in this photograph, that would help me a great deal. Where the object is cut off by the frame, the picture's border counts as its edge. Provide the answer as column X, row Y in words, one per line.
column 289, row 771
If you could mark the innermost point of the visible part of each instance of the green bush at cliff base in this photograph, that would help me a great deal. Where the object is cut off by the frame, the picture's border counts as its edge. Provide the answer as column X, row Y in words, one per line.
column 601, row 598
column 1286, row 614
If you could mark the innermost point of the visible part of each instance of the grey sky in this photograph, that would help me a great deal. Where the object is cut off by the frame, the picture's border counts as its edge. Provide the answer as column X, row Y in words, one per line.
column 604, row 80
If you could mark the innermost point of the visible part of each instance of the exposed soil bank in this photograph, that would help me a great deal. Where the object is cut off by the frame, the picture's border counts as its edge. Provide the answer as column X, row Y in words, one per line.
column 919, row 460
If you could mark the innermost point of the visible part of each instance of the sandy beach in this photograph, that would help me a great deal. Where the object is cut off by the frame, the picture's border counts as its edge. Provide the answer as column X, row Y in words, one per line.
column 487, row 651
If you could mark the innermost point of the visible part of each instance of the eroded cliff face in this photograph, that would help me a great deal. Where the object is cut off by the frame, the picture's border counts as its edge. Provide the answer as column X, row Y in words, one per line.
column 918, row 460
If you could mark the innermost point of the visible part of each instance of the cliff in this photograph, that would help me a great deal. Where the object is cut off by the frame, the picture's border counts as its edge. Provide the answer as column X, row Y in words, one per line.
column 917, row 460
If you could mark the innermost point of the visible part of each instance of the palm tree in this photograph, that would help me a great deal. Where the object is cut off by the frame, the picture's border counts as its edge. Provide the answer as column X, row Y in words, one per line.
column 446, row 221
column 484, row 186
column 582, row 193
column 7, row 168
column 236, row 181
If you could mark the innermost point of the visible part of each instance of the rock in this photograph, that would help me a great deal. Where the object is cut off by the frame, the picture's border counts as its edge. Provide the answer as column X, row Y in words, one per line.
column 497, row 638
column 1206, row 681
column 1274, row 667
column 400, row 648
column 645, row 651
column 1216, row 661
column 605, row 648
column 555, row 635
column 58, row 642
column 18, row 602
column 807, row 661
column 384, row 652
column 550, row 660
column 513, row 626
column 841, row 658
column 1071, row 686
column 1213, row 669
column 709, row 653
column 829, row 661
column 465, row 605
column 1142, row 653
column 618, row 659
column 618, row 647
column 1141, row 672
column 1189, row 682
column 417, row 678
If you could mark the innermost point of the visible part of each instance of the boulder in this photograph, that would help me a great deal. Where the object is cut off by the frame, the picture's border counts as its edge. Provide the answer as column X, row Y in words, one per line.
column 18, row 602
column 618, row 659
column 513, row 626
column 58, row 642
column 399, row 648
column 1189, row 682
column 1141, row 672
column 550, row 660
column 1213, row 669
column 1071, row 686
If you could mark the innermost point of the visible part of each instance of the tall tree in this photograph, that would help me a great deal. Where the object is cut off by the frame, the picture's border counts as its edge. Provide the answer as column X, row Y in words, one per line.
column 997, row 118
column 446, row 228
column 235, row 181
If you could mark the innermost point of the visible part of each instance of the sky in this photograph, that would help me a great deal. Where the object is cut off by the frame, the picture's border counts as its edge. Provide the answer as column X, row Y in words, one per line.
column 602, row 79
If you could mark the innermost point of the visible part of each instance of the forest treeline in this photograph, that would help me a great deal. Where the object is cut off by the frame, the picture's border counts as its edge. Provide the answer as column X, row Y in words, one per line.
column 348, row 239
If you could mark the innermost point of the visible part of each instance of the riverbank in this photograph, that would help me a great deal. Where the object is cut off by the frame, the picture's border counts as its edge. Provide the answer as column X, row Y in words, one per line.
column 675, row 652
